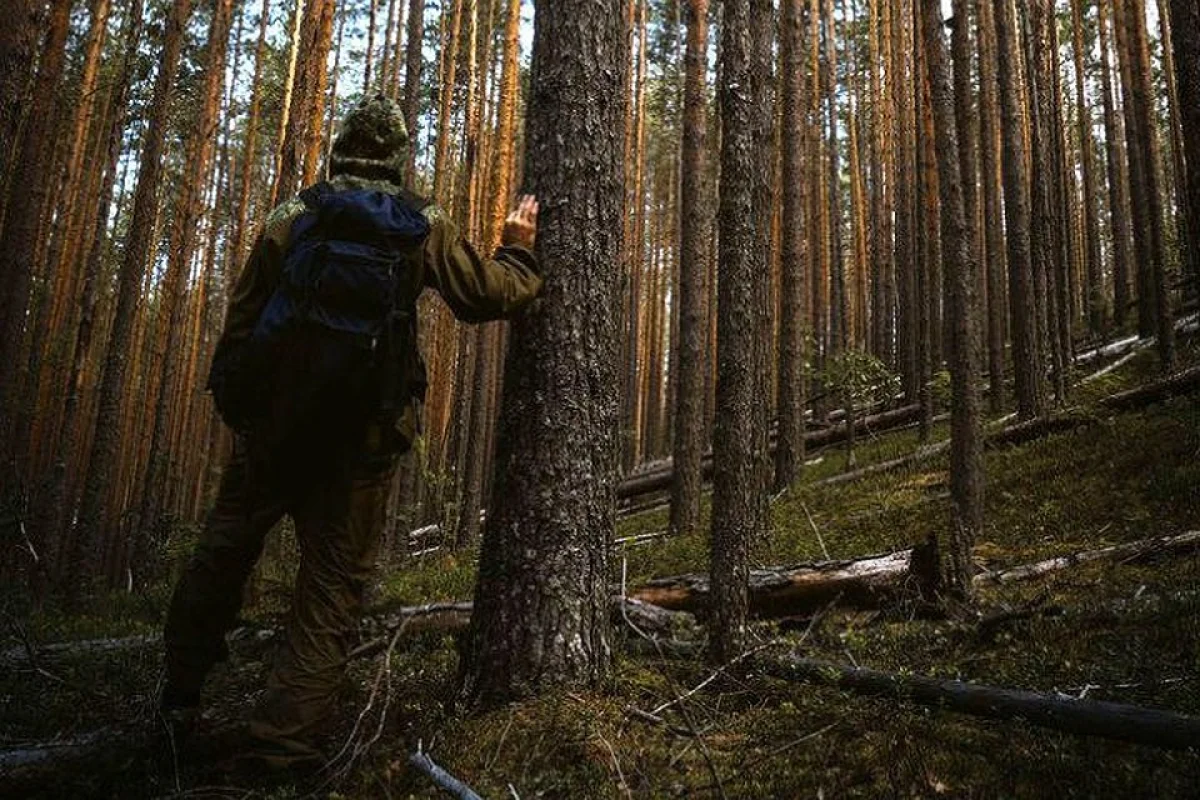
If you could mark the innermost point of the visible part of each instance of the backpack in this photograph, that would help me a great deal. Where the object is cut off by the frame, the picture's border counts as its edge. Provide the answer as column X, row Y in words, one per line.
column 335, row 346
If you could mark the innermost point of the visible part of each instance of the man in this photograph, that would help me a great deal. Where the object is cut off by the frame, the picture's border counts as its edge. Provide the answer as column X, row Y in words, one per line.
column 330, row 475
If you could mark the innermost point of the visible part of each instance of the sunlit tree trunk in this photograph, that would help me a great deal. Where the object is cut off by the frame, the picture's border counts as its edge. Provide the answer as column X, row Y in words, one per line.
column 102, row 463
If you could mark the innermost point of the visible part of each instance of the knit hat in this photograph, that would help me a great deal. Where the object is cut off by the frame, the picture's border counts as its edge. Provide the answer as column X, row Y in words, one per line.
column 372, row 143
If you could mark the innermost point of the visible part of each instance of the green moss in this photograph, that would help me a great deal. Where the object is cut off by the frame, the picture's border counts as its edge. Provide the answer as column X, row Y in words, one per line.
column 1127, row 632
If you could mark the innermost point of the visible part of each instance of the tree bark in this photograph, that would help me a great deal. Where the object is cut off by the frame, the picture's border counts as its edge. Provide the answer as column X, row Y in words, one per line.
column 1118, row 721
column 29, row 188
column 693, row 279
column 1185, row 39
column 1027, row 366
column 89, row 542
column 542, row 598
column 966, row 449
column 745, row 126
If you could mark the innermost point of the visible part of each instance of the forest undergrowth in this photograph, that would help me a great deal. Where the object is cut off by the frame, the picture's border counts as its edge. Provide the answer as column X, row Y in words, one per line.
column 1107, row 630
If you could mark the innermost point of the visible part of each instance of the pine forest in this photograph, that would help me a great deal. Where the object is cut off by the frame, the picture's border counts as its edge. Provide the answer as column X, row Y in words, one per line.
column 800, row 398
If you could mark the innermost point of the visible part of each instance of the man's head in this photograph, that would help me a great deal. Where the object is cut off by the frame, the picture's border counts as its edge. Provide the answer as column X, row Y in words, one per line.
column 372, row 143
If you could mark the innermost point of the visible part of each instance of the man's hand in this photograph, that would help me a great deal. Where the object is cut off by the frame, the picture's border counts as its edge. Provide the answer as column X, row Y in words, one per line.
column 520, row 227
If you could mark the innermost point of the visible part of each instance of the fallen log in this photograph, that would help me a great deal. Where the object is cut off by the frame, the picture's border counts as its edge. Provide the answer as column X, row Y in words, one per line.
column 1037, row 428
column 871, row 582
column 1132, row 551
column 1180, row 383
column 659, row 478
column 863, row 582
column 1128, row 723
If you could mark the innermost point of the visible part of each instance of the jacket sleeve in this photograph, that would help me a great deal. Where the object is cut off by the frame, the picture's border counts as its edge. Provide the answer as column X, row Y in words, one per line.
column 477, row 289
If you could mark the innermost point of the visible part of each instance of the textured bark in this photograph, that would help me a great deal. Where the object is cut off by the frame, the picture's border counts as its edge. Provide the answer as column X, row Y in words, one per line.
column 745, row 126
column 413, row 62
column 1147, row 197
column 28, row 191
column 102, row 462
column 1027, row 368
column 966, row 449
column 1185, row 39
column 906, row 219
column 301, row 137
column 1043, row 181
column 789, row 450
column 441, row 160
column 693, row 281
column 172, row 309
column 993, row 208
column 1093, row 295
column 542, row 598
column 1118, row 176
column 51, row 522
column 18, row 40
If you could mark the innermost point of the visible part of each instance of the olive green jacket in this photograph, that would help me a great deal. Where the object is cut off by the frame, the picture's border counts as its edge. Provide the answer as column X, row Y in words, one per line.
column 476, row 289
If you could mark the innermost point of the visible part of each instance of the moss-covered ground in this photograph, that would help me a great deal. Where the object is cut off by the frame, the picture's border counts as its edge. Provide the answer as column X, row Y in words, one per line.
column 1119, row 631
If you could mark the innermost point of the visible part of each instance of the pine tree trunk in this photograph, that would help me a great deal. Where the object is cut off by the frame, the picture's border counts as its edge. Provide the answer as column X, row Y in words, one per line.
column 28, row 190
column 18, row 41
column 789, row 451
column 990, row 152
column 173, row 307
column 1185, row 39
column 1027, row 367
column 1093, row 296
column 1146, row 183
column 541, row 602
column 413, row 61
column 89, row 541
column 1118, row 177
column 745, row 125
column 966, row 452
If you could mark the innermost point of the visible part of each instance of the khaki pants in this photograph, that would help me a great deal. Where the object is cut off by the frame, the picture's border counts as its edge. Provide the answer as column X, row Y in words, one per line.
column 339, row 522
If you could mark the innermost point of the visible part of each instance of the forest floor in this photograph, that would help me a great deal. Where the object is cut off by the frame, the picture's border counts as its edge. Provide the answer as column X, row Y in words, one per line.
column 1124, row 632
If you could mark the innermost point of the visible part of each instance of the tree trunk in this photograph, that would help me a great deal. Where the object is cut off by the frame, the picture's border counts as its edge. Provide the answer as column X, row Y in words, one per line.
column 693, row 271
column 1118, row 721
column 745, row 127
column 172, row 308
column 1185, row 39
column 541, row 614
column 1027, row 367
column 1093, row 296
column 102, row 462
column 990, row 153
column 1118, row 177
column 18, row 41
column 30, row 186
column 789, row 450
column 413, row 61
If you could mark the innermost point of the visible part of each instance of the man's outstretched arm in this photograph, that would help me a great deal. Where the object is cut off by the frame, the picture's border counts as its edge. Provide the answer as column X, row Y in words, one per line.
column 481, row 289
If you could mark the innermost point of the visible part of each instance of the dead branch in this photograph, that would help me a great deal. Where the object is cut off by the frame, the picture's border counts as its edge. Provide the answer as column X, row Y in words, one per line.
column 444, row 780
column 1148, row 726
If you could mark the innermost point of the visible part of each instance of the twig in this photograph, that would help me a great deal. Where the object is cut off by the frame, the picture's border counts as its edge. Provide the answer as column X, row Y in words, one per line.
column 616, row 765
column 820, row 540
column 718, row 672
column 444, row 780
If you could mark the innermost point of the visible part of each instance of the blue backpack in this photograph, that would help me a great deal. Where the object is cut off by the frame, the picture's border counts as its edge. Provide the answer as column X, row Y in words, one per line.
column 335, row 347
